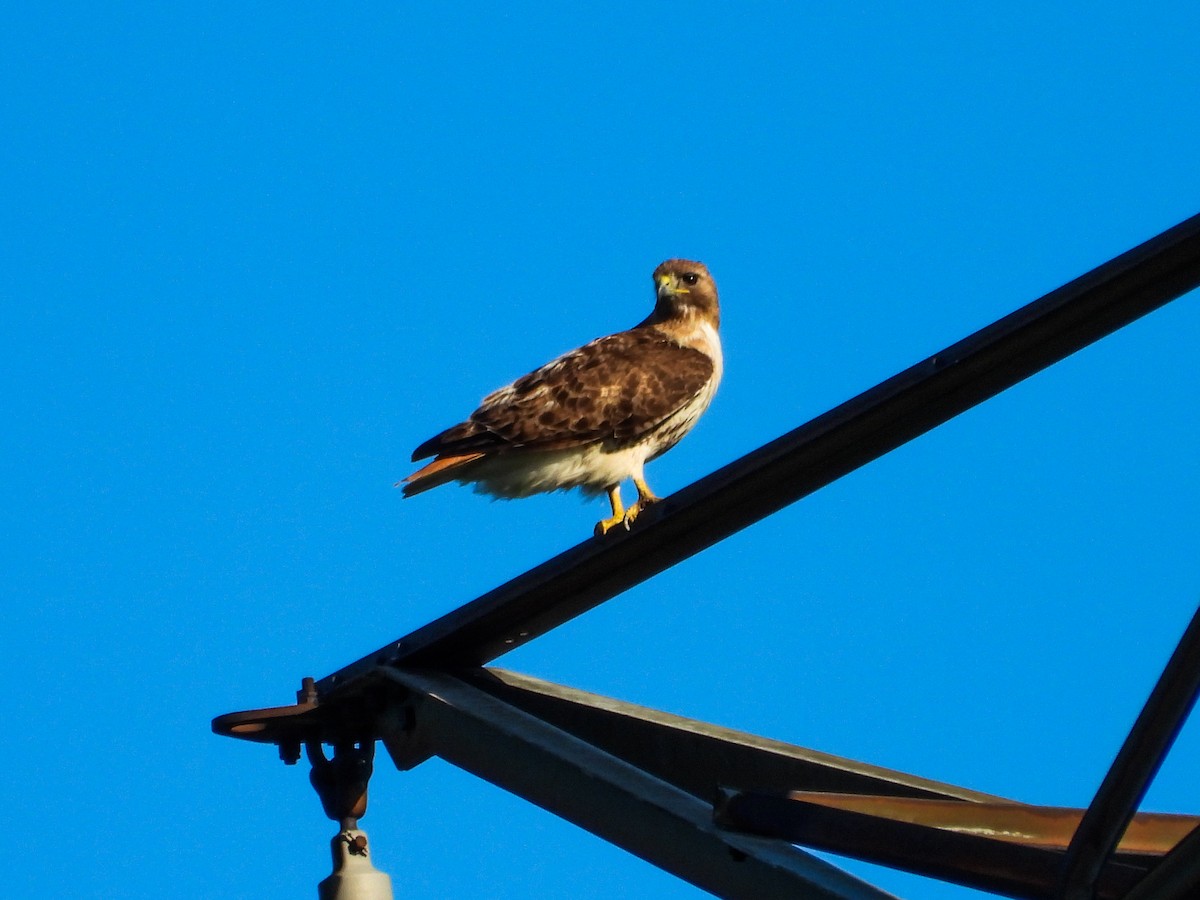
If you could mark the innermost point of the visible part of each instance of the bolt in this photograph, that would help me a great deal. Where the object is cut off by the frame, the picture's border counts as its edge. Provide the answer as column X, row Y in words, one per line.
column 308, row 690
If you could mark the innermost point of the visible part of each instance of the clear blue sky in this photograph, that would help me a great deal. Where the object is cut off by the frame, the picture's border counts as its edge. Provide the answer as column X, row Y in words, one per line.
column 254, row 254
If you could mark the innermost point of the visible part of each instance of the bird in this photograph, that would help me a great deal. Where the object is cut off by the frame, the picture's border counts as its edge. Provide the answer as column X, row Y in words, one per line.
column 592, row 418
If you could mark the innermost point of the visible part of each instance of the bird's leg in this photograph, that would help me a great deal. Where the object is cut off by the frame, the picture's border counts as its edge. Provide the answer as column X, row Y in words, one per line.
column 645, row 498
column 618, row 512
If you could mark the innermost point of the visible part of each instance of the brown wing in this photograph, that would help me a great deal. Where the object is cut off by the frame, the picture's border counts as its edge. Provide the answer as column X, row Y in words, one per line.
column 618, row 387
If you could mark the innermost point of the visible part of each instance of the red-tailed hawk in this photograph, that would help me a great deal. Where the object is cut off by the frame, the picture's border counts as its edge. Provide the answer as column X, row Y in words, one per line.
column 594, row 416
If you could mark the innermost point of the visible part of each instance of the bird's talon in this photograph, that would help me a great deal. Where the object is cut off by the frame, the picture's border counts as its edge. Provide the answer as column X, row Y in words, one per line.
column 634, row 511
column 605, row 526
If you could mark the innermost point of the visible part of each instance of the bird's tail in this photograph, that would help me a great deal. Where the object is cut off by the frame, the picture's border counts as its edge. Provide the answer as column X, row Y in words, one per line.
column 438, row 472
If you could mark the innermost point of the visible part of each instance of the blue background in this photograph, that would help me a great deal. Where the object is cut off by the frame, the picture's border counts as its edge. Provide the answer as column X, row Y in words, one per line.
column 253, row 255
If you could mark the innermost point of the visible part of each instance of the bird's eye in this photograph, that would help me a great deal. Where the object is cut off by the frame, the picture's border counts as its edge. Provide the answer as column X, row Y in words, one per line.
column 691, row 278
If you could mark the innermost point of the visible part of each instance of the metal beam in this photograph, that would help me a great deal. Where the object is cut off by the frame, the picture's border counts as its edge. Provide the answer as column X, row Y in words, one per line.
column 1150, row 835
column 696, row 756
column 804, row 460
column 1009, row 849
column 1136, row 764
column 610, row 798
column 1177, row 877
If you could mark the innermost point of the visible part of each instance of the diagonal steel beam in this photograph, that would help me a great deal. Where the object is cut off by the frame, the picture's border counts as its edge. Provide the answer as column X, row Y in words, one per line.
column 1136, row 764
column 609, row 797
column 1177, row 877
column 804, row 460
column 696, row 756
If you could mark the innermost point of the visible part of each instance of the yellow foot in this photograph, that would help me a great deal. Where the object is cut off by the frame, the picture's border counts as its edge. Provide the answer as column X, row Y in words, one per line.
column 634, row 511
column 604, row 526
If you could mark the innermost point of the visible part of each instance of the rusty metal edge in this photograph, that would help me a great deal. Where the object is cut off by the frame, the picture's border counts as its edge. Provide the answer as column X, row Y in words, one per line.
column 1011, row 868
column 1150, row 835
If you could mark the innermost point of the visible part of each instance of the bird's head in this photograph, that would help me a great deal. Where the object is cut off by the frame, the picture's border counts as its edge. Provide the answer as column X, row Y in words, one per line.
column 685, row 289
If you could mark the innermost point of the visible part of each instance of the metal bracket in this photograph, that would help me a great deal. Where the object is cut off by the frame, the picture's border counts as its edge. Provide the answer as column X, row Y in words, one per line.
column 341, row 782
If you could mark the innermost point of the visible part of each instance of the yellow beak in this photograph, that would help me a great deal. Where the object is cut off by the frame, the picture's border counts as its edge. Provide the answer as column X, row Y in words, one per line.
column 669, row 284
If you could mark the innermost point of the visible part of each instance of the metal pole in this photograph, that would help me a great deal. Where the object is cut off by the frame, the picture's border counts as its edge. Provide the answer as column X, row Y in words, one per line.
column 1135, row 766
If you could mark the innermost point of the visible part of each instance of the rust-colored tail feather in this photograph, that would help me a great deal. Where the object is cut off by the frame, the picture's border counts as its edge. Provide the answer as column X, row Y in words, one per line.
column 438, row 472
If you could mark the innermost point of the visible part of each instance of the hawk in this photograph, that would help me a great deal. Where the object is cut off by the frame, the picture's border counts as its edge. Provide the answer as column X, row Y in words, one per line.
column 595, row 416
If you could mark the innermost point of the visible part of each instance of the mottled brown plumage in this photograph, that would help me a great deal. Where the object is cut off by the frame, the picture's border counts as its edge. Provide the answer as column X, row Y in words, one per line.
column 595, row 415
column 617, row 388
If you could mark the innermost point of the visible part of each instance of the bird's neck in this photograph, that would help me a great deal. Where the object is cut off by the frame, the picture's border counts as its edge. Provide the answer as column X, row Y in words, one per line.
column 697, row 331
column 675, row 321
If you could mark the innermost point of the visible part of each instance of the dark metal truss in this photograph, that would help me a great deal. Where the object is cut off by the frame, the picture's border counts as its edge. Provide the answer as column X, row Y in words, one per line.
column 725, row 810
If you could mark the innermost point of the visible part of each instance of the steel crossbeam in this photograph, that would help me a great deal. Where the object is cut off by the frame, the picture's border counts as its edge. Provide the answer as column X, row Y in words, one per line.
column 608, row 796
